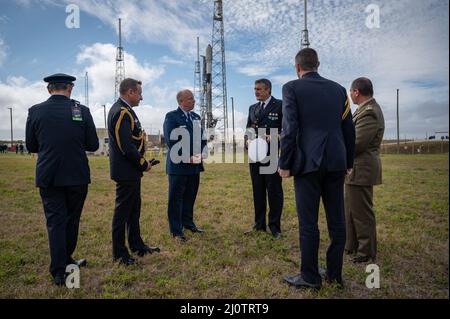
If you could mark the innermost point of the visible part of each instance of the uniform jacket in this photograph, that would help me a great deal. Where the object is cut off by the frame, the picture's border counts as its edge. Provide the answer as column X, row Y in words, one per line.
column 268, row 118
column 126, row 143
column 369, row 124
column 61, row 130
column 317, row 126
column 177, row 119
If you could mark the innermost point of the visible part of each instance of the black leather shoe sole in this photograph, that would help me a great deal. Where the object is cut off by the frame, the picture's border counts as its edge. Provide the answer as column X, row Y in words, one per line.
column 360, row 259
column 276, row 235
column 181, row 238
column 147, row 250
column 196, row 230
column 298, row 282
column 126, row 261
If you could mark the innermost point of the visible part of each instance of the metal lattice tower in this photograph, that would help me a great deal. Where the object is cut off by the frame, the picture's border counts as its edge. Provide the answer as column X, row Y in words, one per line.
column 305, row 36
column 198, row 80
column 120, row 63
column 219, row 82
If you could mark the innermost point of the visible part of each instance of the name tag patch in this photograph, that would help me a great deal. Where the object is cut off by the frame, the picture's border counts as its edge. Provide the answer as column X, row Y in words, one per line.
column 76, row 113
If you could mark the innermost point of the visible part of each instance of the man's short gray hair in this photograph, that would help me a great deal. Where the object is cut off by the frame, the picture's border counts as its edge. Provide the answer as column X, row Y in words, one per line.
column 181, row 95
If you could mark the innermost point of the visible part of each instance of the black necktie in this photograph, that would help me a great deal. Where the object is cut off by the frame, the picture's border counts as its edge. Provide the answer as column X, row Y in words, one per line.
column 260, row 109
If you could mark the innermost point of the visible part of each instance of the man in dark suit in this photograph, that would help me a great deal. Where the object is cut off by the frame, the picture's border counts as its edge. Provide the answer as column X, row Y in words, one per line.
column 127, row 163
column 317, row 145
column 187, row 147
column 61, row 130
column 266, row 115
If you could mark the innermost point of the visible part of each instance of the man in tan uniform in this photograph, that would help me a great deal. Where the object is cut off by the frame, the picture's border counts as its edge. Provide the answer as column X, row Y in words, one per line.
column 360, row 218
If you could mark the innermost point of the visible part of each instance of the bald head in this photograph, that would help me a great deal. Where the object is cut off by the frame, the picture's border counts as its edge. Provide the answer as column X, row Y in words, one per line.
column 186, row 100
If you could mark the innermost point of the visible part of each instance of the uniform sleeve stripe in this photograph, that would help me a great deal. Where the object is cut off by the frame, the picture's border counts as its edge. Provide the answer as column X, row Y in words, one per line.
column 119, row 122
column 347, row 109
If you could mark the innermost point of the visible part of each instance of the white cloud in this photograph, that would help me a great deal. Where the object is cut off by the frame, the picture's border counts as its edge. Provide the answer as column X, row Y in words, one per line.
column 255, row 70
column 171, row 22
column 168, row 60
column 19, row 94
column 99, row 59
column 3, row 51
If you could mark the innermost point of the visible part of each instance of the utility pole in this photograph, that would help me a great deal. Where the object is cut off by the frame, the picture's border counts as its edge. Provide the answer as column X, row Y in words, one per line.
column 232, row 118
column 86, row 89
column 104, row 114
column 398, row 124
column 12, row 139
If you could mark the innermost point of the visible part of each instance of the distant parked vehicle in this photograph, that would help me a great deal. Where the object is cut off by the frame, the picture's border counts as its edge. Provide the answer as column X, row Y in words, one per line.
column 432, row 137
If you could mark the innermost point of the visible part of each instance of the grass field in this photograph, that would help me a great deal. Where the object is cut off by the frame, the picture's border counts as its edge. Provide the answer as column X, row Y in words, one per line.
column 411, row 209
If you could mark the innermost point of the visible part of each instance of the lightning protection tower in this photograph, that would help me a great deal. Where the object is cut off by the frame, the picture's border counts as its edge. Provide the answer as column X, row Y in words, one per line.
column 305, row 36
column 219, row 82
column 120, row 63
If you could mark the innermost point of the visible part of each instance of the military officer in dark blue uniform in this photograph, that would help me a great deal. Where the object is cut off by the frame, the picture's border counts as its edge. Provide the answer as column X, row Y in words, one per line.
column 127, row 164
column 265, row 114
column 184, row 164
column 317, row 147
column 61, row 130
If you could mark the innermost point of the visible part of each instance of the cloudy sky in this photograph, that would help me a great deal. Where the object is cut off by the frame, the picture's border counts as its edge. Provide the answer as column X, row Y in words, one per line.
column 409, row 51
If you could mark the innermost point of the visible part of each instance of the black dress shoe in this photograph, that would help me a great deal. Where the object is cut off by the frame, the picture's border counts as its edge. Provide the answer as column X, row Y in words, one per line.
column 181, row 238
column 60, row 279
column 298, row 282
column 324, row 275
column 196, row 230
column 126, row 260
column 147, row 250
column 79, row 263
column 276, row 235
column 360, row 259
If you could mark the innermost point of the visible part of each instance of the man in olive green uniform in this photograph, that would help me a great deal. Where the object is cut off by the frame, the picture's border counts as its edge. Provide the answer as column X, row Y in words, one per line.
column 360, row 218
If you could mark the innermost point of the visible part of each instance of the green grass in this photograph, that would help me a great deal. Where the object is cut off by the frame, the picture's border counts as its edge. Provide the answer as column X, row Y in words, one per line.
column 413, row 238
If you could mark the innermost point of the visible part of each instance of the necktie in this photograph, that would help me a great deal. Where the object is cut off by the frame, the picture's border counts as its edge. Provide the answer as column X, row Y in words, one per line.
column 189, row 117
column 259, row 109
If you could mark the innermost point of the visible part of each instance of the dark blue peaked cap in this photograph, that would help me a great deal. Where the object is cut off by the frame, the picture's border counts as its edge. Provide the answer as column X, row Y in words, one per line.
column 60, row 78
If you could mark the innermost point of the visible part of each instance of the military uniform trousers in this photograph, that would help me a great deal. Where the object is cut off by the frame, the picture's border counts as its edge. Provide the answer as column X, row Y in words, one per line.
column 308, row 190
column 62, row 208
column 360, row 218
column 267, row 186
column 183, row 191
column 127, row 213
